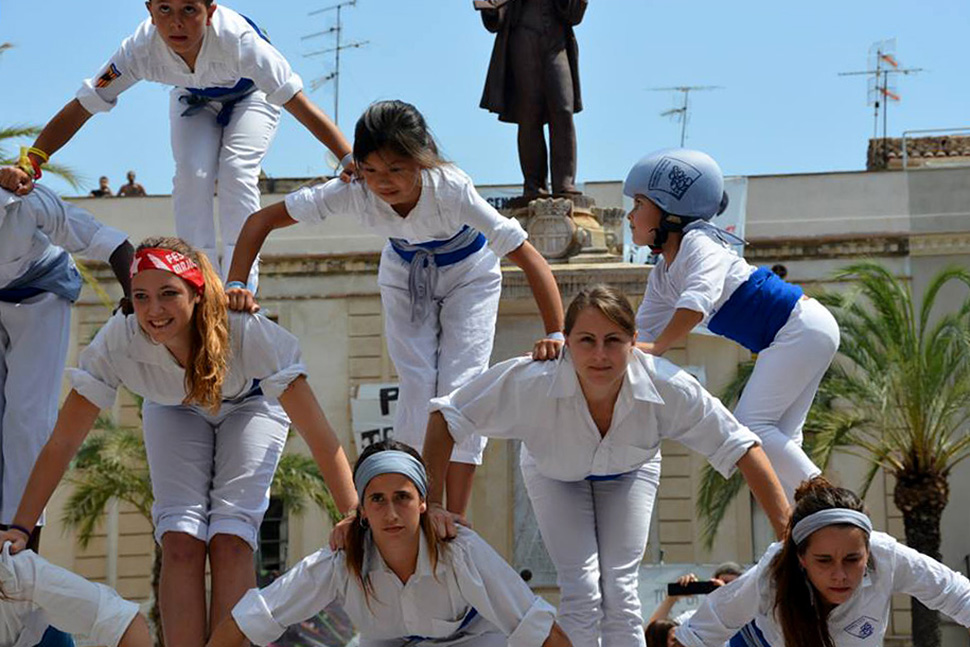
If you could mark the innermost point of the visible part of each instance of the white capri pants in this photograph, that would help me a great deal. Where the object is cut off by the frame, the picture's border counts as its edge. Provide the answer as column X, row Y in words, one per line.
column 211, row 474
column 446, row 350
column 595, row 533
column 208, row 158
column 782, row 386
column 34, row 336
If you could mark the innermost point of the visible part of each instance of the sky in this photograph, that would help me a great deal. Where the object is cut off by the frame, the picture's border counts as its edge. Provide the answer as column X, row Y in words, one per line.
column 783, row 107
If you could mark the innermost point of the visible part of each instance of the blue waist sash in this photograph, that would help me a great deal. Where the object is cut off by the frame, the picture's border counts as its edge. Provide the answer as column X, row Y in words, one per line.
column 198, row 98
column 757, row 310
column 749, row 636
column 53, row 272
column 425, row 258
column 605, row 477
column 254, row 390
column 464, row 623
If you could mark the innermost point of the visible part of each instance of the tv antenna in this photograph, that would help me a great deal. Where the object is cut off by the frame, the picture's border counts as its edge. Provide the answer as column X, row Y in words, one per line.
column 882, row 69
column 339, row 46
column 682, row 112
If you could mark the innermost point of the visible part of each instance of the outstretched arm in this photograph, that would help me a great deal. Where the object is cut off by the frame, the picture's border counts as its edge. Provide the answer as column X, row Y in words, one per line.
column 56, row 133
column 766, row 487
column 319, row 124
column 677, row 329
column 546, row 293
column 250, row 241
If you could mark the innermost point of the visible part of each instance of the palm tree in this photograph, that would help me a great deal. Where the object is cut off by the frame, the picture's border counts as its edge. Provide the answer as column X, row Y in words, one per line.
column 112, row 464
column 8, row 156
column 899, row 397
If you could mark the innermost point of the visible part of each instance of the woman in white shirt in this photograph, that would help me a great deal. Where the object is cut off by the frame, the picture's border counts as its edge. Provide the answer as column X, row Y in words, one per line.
column 229, row 84
column 399, row 583
column 38, row 285
column 700, row 279
column 214, row 429
column 591, row 425
column 440, row 283
column 36, row 595
column 830, row 583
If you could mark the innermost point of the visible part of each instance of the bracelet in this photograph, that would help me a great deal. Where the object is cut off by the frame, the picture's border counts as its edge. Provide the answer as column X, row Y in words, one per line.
column 556, row 336
column 28, row 534
column 232, row 285
column 347, row 160
column 28, row 165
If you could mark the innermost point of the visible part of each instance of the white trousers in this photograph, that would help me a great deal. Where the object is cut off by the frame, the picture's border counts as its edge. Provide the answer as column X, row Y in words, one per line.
column 209, row 157
column 34, row 336
column 211, row 474
column 782, row 386
column 595, row 533
column 452, row 346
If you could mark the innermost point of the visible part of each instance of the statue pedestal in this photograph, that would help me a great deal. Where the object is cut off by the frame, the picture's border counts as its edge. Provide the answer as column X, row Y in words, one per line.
column 570, row 229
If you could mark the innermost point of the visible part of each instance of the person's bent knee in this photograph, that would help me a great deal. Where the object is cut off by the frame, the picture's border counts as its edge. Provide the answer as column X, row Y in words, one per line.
column 183, row 548
column 226, row 546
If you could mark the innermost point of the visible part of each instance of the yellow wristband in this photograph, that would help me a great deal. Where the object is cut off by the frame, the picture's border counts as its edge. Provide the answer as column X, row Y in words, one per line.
column 24, row 162
column 39, row 153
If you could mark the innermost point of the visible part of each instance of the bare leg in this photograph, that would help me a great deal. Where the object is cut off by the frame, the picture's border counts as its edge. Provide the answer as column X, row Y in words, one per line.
column 458, row 486
column 182, row 590
column 233, row 574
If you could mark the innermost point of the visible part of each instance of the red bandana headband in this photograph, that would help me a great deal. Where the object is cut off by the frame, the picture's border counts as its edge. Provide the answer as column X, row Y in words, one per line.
column 156, row 258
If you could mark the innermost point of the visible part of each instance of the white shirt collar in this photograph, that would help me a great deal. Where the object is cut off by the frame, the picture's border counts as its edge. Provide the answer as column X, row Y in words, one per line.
column 374, row 562
column 142, row 349
column 637, row 383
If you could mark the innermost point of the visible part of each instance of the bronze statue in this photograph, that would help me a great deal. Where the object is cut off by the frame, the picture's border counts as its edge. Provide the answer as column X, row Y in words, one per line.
column 533, row 79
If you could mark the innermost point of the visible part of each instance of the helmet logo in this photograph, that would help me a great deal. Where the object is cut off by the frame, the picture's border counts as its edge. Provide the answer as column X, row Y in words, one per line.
column 673, row 176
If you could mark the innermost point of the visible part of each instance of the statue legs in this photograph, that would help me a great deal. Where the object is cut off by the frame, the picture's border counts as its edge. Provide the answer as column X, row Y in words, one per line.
column 532, row 158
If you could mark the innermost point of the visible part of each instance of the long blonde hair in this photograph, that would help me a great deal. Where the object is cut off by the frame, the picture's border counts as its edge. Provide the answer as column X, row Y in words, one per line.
column 210, row 330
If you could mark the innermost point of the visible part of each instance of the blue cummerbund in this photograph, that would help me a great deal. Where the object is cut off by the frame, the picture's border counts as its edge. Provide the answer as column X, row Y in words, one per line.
column 407, row 251
column 757, row 310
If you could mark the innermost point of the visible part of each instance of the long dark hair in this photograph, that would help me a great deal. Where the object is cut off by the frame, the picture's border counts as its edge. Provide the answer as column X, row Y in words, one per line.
column 399, row 126
column 657, row 631
column 798, row 605
column 354, row 549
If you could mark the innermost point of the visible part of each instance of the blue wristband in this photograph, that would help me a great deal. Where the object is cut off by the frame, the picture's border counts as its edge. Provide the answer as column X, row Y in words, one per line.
column 231, row 285
column 556, row 336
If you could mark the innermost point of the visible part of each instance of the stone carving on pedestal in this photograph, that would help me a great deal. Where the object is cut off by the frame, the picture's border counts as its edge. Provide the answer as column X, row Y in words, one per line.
column 571, row 229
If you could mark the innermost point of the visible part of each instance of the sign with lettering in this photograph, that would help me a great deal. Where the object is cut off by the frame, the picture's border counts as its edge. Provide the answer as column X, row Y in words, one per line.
column 372, row 413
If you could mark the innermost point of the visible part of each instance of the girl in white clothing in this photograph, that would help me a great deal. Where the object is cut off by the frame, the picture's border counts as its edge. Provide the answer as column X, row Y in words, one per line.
column 36, row 595
column 229, row 84
column 440, row 284
column 214, row 430
column 830, row 583
column 700, row 279
column 591, row 425
column 399, row 583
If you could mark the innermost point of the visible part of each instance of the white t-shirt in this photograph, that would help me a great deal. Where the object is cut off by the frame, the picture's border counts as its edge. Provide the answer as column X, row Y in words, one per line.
column 704, row 275
column 38, row 594
column 231, row 50
column 121, row 353
column 859, row 622
column 448, row 202
column 542, row 404
column 469, row 575
column 30, row 224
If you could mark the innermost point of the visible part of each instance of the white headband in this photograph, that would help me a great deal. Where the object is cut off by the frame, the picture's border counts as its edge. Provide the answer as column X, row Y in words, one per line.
column 829, row 517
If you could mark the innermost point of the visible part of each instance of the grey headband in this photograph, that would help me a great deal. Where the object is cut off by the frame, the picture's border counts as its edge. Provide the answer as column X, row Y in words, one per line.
column 829, row 517
column 390, row 462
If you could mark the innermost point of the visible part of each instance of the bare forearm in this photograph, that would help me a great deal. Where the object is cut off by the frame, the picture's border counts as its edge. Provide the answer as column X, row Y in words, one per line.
column 319, row 124
column 301, row 405
column 76, row 418
column 254, row 232
column 680, row 325
column 438, row 445
column 227, row 634
column 543, row 285
column 764, row 484
column 662, row 612
column 62, row 127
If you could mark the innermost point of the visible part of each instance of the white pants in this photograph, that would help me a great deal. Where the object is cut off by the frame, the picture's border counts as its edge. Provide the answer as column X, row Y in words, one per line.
column 208, row 158
column 595, row 533
column 34, row 336
column 452, row 346
column 782, row 386
column 211, row 474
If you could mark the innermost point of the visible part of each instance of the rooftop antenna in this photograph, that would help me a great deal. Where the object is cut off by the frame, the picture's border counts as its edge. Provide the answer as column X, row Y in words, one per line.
column 334, row 76
column 682, row 112
column 881, row 65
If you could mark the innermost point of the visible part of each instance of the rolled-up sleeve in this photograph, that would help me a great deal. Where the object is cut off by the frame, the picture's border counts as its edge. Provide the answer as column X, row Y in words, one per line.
column 71, row 227
column 488, row 405
column 932, row 583
column 496, row 591
column 314, row 204
column 95, row 377
column 504, row 234
column 100, row 92
column 300, row 593
column 698, row 420
column 269, row 69
column 270, row 353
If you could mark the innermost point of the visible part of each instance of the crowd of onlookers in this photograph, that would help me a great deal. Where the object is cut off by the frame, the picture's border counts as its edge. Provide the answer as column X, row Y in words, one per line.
column 131, row 190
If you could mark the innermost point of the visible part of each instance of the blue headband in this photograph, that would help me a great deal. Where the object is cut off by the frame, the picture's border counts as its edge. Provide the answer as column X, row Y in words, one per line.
column 390, row 462
column 829, row 517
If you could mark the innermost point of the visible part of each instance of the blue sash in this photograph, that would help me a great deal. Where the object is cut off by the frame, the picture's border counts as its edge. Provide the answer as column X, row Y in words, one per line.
column 464, row 623
column 757, row 310
column 444, row 257
column 53, row 272
column 198, row 98
column 749, row 636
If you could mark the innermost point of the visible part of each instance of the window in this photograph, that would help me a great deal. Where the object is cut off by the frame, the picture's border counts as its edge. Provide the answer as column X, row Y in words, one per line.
column 273, row 536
